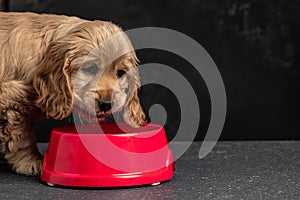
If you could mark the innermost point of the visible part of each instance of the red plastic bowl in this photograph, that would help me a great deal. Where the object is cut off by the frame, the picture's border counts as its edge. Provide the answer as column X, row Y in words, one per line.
column 110, row 155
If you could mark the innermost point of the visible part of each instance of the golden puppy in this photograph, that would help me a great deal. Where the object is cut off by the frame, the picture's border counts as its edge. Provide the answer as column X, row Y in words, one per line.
column 52, row 64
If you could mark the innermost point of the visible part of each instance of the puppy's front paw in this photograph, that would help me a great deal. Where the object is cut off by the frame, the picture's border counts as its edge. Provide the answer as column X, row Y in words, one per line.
column 29, row 168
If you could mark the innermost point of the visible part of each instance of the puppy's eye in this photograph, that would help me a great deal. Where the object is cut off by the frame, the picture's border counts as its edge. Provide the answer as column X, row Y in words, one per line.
column 121, row 73
column 91, row 69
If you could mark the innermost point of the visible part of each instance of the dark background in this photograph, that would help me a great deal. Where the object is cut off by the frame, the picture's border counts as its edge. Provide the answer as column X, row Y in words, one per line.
column 255, row 45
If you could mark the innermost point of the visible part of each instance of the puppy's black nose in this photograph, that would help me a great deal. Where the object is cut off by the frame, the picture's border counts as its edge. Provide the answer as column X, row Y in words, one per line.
column 104, row 105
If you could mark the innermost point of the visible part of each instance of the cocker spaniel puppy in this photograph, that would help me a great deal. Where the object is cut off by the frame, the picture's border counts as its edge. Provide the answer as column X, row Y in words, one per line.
column 53, row 64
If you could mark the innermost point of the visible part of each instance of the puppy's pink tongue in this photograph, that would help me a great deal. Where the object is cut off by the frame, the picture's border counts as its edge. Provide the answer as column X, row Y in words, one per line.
column 101, row 119
column 101, row 116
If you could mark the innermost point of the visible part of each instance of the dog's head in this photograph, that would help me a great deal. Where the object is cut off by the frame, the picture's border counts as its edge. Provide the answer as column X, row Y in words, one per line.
column 93, row 69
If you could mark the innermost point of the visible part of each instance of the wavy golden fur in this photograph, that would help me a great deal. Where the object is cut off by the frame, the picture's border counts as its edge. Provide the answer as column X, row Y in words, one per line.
column 52, row 64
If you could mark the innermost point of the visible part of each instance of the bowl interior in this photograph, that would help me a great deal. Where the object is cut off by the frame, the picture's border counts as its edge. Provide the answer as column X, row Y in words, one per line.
column 120, row 128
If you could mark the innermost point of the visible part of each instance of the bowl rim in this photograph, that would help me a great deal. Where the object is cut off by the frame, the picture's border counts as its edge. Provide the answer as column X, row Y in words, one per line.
column 144, row 130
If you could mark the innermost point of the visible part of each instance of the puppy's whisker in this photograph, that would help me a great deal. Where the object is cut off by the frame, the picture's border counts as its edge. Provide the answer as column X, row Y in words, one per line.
column 117, row 116
column 80, row 120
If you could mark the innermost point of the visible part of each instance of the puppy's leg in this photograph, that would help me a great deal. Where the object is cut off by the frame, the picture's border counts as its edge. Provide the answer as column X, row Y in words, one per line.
column 16, row 130
column 2, row 160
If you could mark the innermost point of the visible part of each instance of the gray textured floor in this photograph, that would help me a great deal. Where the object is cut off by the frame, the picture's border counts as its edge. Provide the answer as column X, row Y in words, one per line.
column 234, row 170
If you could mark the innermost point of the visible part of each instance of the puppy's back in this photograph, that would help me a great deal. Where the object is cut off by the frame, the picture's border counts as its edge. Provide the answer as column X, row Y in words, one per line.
column 24, row 38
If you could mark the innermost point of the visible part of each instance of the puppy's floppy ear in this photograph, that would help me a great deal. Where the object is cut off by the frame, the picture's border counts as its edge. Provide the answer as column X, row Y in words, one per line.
column 133, row 112
column 52, row 82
